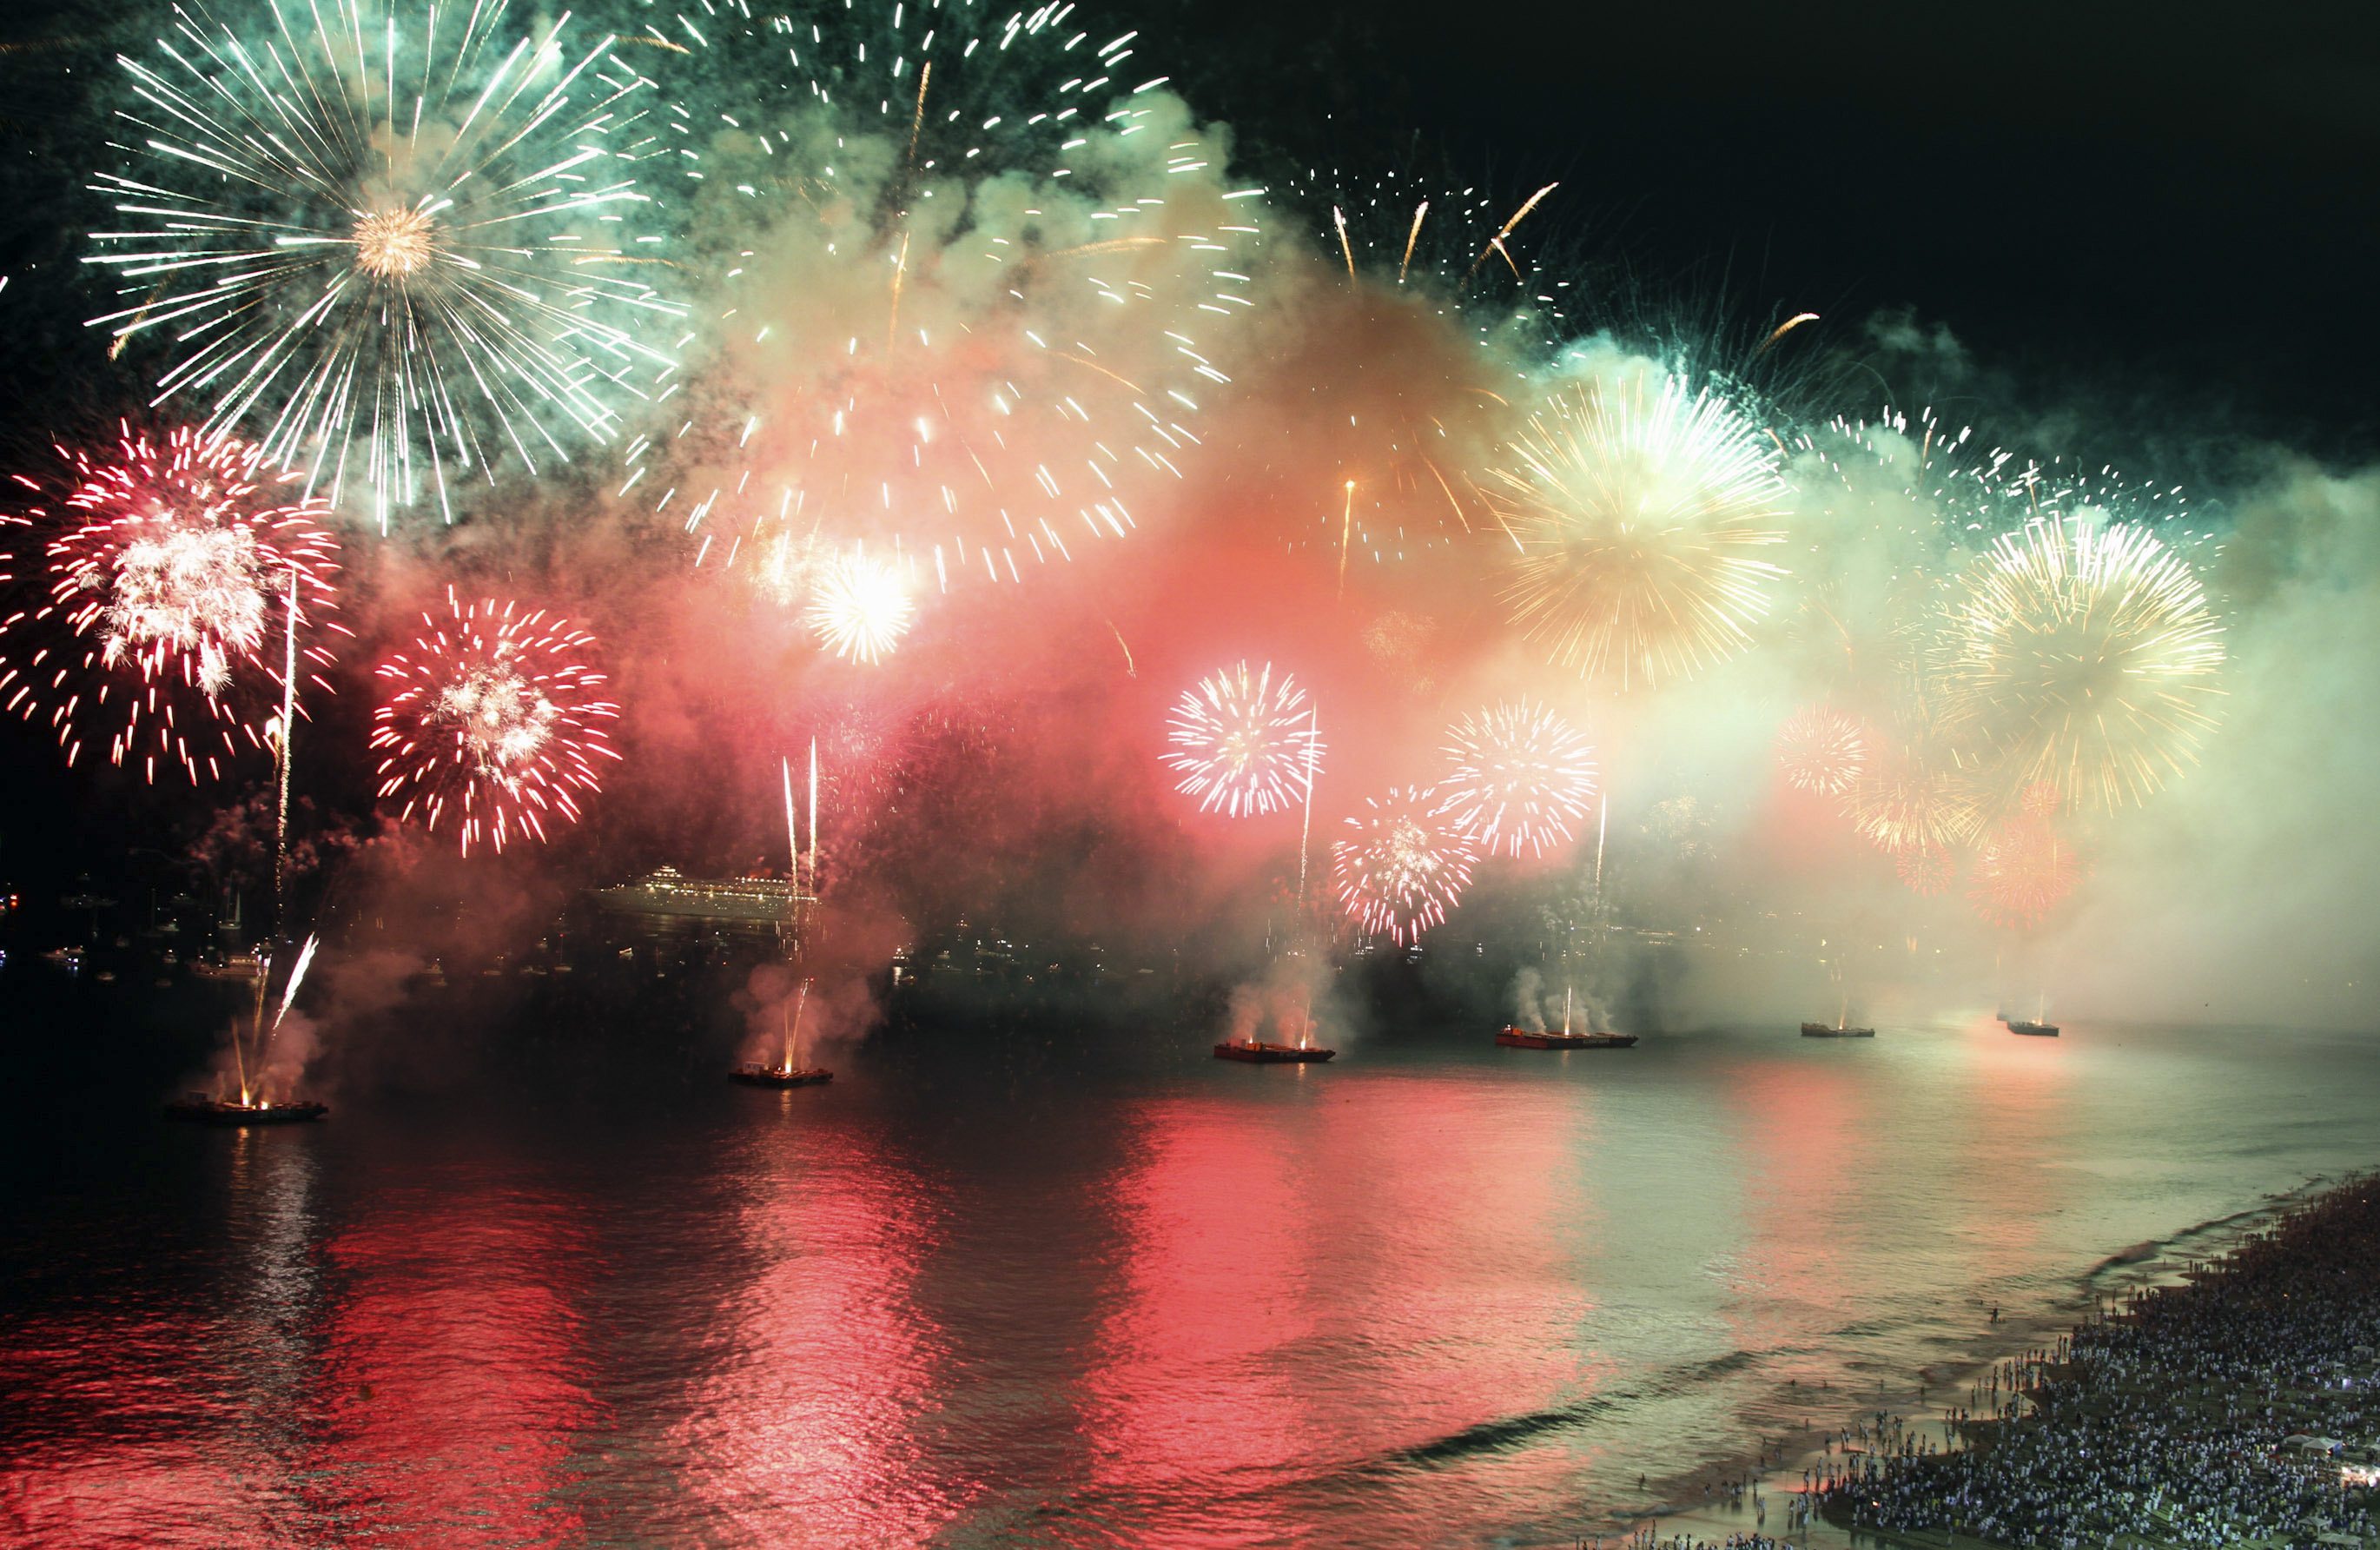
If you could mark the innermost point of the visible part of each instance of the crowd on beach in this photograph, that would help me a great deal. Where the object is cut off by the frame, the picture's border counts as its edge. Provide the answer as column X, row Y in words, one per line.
column 2241, row 1405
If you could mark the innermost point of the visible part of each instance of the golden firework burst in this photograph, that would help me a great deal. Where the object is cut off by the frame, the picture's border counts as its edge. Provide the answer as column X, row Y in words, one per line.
column 2083, row 658
column 1638, row 512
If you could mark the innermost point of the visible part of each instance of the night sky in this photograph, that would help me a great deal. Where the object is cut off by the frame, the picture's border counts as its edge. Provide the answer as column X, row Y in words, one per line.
column 2153, row 227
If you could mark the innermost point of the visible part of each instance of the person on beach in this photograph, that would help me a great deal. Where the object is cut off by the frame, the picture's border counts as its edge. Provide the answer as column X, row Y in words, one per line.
column 2165, row 1423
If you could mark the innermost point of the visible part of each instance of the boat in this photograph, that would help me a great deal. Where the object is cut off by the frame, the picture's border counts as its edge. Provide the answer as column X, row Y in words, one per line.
column 788, row 1072
column 1836, row 1030
column 1516, row 1037
column 1258, row 1053
column 2036, row 1030
column 1523, row 1038
column 752, row 1073
column 200, row 1108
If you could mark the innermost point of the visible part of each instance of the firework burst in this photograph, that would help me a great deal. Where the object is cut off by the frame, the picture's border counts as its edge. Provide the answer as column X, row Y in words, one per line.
column 162, row 587
column 1913, row 797
column 1821, row 750
column 489, row 722
column 860, row 607
column 1243, row 742
column 1926, row 869
column 393, row 240
column 964, row 307
column 1521, row 776
column 1637, row 513
column 2023, row 871
column 2084, row 657
column 1400, row 870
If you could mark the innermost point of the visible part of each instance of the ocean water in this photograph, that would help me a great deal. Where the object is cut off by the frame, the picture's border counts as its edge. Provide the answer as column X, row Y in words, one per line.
column 1435, row 1293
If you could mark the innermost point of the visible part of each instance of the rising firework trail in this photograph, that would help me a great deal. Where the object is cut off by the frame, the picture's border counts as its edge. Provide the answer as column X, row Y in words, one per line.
column 398, row 244
column 1243, row 742
column 1520, row 777
column 2084, row 656
column 489, row 723
column 1398, row 869
column 151, row 580
column 1638, row 515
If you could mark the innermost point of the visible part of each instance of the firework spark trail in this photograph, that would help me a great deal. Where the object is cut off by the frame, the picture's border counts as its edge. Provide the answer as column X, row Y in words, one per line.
column 489, row 722
column 400, row 243
column 1521, row 776
column 296, row 977
column 1243, row 742
column 1821, row 750
column 1399, row 871
column 157, row 576
column 968, row 318
column 2084, row 656
column 1638, row 512
column 1418, row 405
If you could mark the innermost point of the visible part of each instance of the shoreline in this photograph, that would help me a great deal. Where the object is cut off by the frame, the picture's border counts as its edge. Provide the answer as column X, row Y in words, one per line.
column 1697, row 1503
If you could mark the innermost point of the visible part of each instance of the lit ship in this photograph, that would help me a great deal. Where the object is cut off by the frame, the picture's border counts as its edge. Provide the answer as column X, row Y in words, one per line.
column 199, row 1108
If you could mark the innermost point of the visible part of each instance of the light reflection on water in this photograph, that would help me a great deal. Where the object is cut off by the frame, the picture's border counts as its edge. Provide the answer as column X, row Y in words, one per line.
column 1429, row 1294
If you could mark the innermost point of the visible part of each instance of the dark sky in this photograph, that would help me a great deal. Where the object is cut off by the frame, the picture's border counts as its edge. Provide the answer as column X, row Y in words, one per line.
column 2171, row 200
column 2167, row 198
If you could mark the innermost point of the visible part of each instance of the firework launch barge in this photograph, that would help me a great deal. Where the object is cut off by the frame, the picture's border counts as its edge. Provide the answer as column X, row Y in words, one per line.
column 2036, row 1030
column 1836, row 1030
column 199, row 1108
column 1260, row 1053
column 1523, row 1038
column 753, row 1074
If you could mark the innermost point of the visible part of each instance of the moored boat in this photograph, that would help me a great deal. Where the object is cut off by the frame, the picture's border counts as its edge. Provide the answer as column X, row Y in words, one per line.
column 199, row 1108
column 1836, row 1030
column 1523, row 1038
column 1259, row 1053
column 2034, row 1029
column 752, row 1073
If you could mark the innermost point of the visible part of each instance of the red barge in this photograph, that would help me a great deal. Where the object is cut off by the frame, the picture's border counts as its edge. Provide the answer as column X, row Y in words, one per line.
column 1523, row 1038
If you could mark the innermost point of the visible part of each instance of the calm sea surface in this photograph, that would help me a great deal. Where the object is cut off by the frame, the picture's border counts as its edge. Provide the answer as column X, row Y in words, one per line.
column 1435, row 1293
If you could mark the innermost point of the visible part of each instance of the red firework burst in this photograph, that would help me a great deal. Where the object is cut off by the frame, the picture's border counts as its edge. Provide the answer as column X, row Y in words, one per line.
column 1926, row 868
column 160, row 581
column 2023, row 871
column 489, row 722
column 1399, row 868
column 1243, row 741
column 1522, row 776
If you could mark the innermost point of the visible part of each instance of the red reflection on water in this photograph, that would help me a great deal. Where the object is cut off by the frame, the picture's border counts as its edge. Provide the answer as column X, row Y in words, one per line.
column 451, row 1391
column 124, row 1448
column 1293, row 1308
column 800, row 1429
column 153, row 1414
column 1806, row 1132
